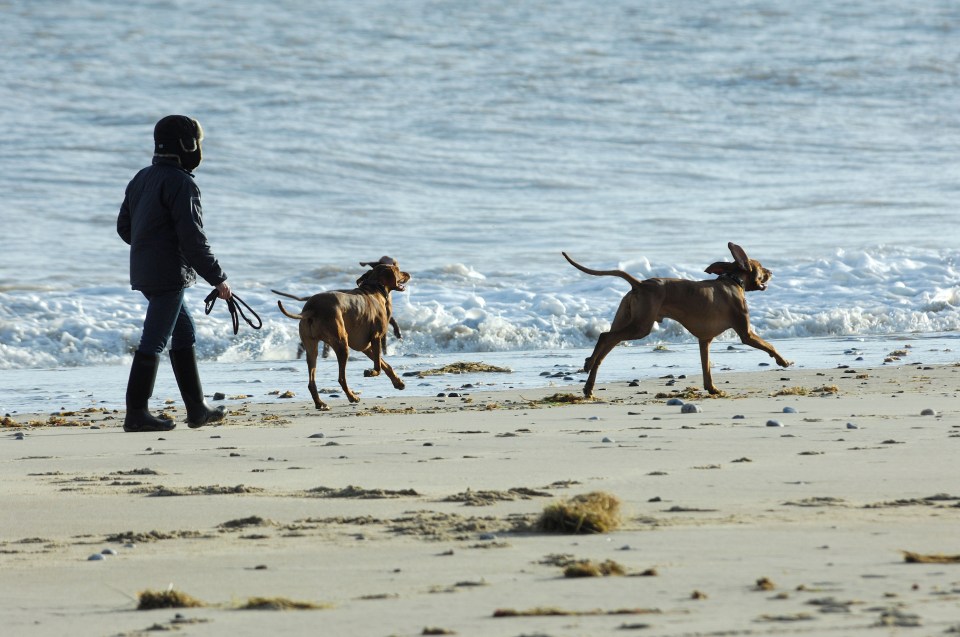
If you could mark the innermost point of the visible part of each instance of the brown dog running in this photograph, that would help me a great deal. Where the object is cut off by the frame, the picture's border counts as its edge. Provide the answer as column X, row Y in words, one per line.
column 350, row 319
column 363, row 278
column 705, row 308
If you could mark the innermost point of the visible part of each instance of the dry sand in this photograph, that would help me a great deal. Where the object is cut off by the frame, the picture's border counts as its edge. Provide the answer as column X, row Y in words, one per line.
column 403, row 516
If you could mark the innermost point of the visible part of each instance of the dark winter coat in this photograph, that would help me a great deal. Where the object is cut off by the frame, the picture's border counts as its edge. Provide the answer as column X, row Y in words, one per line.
column 162, row 220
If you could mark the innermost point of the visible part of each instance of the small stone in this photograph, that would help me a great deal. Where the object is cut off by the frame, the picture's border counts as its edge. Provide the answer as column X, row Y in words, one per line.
column 96, row 557
column 774, row 423
column 634, row 383
column 488, row 536
column 108, row 552
column 594, row 418
column 428, row 444
column 674, row 402
column 739, row 417
column 441, row 395
column 219, row 395
column 18, row 436
column 690, row 408
column 850, row 425
column 789, row 410
column 453, row 394
column 319, row 435
column 606, row 439
column 928, row 412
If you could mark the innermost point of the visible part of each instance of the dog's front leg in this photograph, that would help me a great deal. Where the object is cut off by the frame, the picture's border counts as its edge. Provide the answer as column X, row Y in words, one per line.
column 373, row 352
column 705, row 366
column 343, row 353
column 751, row 339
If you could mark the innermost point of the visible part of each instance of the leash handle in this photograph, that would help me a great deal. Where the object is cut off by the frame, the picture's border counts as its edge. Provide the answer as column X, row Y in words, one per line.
column 235, row 311
column 210, row 301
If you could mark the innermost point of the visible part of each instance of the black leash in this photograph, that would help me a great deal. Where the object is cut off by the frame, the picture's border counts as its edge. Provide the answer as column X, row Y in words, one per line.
column 235, row 311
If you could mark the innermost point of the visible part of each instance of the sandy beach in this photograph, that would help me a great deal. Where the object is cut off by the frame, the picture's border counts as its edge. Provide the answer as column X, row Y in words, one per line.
column 784, row 507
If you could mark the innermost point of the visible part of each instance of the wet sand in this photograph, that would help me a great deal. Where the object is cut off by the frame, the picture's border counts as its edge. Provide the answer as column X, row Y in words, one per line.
column 411, row 516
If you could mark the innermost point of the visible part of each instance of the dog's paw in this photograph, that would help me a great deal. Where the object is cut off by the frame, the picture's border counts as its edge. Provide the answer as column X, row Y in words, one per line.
column 371, row 372
column 322, row 407
column 399, row 384
column 784, row 363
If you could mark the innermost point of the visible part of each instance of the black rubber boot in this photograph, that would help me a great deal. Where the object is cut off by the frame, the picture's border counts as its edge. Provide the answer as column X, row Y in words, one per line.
column 199, row 413
column 143, row 373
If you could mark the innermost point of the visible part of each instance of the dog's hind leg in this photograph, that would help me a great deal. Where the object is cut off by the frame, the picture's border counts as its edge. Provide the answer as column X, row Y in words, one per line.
column 605, row 345
column 630, row 323
column 311, row 355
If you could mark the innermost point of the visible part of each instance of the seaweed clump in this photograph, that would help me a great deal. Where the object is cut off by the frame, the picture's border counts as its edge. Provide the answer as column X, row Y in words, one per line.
column 589, row 568
column 170, row 598
column 279, row 603
column 595, row 512
column 936, row 558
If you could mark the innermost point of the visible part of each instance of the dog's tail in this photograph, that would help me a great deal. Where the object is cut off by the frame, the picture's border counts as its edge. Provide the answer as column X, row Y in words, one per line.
column 288, row 314
column 290, row 296
column 633, row 281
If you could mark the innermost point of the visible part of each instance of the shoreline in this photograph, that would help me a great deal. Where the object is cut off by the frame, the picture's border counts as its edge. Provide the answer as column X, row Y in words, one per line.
column 407, row 513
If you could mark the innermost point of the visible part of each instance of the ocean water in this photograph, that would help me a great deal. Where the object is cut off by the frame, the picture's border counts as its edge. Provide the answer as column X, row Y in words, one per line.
column 473, row 142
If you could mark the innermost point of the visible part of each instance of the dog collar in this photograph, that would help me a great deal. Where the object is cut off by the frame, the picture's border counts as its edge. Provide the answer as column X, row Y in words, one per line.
column 732, row 278
column 382, row 289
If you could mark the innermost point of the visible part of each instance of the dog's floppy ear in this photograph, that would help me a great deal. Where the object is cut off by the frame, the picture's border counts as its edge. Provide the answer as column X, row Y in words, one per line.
column 722, row 267
column 739, row 256
column 384, row 260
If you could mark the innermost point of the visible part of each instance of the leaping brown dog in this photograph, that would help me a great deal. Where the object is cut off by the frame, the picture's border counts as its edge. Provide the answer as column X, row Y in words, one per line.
column 350, row 319
column 705, row 308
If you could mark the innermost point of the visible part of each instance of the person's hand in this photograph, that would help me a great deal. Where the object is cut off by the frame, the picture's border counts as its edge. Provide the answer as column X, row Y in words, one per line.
column 225, row 291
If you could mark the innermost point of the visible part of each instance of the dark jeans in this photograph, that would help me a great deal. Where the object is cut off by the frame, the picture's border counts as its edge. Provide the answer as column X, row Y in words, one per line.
column 167, row 320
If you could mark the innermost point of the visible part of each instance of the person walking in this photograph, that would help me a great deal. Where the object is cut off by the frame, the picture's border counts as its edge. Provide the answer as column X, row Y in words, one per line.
column 161, row 219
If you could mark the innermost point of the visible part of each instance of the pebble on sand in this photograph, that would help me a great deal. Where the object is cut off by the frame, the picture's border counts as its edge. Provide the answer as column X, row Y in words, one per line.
column 851, row 425
column 690, row 408
column 789, row 410
column 928, row 412
column 774, row 423
column 674, row 402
